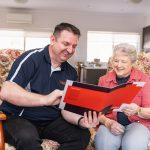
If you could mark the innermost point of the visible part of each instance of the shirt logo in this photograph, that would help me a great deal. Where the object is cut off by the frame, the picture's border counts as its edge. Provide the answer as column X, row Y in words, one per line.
column 62, row 82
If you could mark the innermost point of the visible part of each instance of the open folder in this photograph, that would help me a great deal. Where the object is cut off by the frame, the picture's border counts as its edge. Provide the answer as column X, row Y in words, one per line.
column 81, row 97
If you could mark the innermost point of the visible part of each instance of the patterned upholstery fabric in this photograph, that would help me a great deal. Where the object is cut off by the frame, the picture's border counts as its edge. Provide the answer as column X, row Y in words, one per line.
column 143, row 62
column 7, row 57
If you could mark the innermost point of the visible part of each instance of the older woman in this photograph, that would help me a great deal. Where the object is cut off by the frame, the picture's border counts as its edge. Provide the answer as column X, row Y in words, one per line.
column 130, row 128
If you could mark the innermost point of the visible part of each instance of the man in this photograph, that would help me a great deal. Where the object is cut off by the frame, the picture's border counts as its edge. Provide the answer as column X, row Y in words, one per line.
column 32, row 93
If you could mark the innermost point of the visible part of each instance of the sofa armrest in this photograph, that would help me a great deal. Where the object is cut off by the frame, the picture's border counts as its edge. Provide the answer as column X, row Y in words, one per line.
column 2, row 143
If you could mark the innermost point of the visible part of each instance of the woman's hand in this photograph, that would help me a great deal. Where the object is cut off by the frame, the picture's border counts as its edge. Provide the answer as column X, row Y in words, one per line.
column 131, row 109
column 89, row 120
column 114, row 127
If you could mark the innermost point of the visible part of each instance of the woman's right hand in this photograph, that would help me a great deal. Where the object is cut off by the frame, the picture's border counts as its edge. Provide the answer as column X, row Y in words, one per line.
column 114, row 127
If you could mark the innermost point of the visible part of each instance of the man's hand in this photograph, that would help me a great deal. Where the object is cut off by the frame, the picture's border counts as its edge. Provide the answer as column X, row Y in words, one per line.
column 89, row 120
column 54, row 97
column 131, row 109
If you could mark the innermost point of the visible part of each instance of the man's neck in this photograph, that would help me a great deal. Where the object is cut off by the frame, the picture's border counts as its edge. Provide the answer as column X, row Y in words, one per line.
column 55, row 65
column 54, row 62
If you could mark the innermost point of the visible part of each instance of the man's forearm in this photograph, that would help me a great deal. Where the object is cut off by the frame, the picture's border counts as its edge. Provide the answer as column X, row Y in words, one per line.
column 70, row 117
column 16, row 95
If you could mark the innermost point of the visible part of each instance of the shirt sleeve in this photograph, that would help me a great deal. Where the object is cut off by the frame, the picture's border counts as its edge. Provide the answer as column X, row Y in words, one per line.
column 143, row 97
column 101, row 81
column 22, row 71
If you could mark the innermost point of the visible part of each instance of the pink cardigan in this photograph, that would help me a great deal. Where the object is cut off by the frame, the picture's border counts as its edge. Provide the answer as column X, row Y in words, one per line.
column 142, row 98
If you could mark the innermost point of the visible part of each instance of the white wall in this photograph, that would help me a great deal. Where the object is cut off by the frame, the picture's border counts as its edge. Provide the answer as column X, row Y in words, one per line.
column 147, row 21
column 46, row 21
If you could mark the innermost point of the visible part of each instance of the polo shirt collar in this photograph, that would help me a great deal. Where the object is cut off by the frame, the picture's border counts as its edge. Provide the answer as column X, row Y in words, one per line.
column 46, row 54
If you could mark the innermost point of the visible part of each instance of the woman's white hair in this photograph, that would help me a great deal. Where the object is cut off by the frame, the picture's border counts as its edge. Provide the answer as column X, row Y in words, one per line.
column 127, row 49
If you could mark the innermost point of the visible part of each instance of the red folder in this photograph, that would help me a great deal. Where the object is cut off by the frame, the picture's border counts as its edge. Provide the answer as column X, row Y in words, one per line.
column 97, row 98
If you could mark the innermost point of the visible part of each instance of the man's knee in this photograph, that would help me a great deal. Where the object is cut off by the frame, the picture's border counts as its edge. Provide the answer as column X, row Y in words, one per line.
column 86, row 135
column 77, row 140
column 84, row 139
column 27, row 135
column 28, row 141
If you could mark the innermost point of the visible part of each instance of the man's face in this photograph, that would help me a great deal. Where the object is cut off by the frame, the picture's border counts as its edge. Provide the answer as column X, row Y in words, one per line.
column 63, row 46
column 122, row 64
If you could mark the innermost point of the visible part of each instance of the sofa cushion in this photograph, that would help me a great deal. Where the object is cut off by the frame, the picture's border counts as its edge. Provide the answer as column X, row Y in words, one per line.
column 7, row 57
column 143, row 62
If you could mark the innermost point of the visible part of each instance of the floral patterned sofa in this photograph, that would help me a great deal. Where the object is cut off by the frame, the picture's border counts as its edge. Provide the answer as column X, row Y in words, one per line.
column 143, row 62
column 7, row 57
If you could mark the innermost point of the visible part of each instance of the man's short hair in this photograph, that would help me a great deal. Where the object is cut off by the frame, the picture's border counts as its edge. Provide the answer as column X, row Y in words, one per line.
column 66, row 26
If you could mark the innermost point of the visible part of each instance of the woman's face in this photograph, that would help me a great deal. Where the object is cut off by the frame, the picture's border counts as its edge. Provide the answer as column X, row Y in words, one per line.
column 122, row 64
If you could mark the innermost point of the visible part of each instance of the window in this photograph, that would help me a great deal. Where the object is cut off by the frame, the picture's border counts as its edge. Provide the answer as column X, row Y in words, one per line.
column 36, row 40
column 11, row 39
column 23, row 40
column 100, row 44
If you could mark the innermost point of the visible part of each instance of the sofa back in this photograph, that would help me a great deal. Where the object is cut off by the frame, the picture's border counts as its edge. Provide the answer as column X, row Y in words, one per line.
column 7, row 57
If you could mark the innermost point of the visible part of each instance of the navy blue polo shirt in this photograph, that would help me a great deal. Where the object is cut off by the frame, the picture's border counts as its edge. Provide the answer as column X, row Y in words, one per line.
column 32, row 71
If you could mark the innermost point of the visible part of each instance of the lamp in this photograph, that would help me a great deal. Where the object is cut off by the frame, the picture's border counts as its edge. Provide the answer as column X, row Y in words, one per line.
column 21, row 1
column 136, row 1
